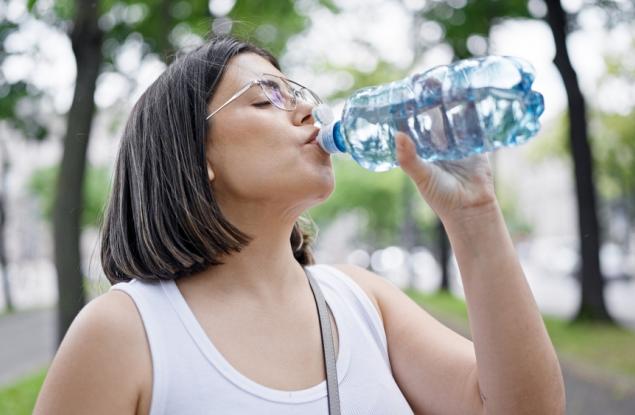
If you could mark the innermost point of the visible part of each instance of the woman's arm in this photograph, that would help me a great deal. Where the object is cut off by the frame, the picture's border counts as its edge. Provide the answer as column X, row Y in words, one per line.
column 101, row 363
column 518, row 370
column 511, row 368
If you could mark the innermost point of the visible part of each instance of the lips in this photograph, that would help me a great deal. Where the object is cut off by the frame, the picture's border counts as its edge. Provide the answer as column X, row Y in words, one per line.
column 312, row 138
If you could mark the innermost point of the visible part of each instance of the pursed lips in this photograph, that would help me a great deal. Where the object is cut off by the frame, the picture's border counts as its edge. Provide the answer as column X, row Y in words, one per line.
column 312, row 138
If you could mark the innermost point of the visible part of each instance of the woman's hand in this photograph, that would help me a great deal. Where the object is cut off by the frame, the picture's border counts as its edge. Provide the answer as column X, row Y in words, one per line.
column 453, row 189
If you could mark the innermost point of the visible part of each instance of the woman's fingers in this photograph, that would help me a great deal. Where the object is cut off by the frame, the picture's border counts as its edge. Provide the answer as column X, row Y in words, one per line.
column 447, row 185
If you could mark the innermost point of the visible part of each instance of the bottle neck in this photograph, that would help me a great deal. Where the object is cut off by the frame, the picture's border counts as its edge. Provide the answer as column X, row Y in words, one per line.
column 338, row 136
column 331, row 138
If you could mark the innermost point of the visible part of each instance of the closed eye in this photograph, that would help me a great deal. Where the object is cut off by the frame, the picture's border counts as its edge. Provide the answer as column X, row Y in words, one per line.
column 262, row 104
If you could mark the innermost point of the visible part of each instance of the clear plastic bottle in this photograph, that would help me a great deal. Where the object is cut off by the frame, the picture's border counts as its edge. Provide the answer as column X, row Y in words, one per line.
column 470, row 106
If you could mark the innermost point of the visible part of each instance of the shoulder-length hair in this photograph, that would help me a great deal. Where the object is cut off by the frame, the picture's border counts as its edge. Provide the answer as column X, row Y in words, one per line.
column 163, row 220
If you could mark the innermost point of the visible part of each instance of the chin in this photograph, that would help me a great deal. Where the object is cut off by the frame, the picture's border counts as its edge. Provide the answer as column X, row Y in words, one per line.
column 318, row 189
column 327, row 183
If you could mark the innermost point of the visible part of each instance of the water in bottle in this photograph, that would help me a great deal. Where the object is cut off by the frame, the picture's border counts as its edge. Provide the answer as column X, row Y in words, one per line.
column 471, row 106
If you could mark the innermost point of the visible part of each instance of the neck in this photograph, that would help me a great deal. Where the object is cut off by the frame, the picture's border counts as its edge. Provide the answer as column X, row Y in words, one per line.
column 264, row 271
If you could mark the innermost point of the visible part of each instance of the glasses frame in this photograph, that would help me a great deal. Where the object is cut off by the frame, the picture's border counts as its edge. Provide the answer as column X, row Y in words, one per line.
column 299, row 91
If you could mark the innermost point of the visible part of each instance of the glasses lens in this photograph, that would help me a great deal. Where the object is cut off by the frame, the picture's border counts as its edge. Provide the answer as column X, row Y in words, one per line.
column 305, row 94
column 278, row 91
column 309, row 96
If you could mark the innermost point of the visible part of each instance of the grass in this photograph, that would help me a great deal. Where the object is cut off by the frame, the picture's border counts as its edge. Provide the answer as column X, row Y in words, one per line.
column 603, row 346
column 19, row 398
column 607, row 346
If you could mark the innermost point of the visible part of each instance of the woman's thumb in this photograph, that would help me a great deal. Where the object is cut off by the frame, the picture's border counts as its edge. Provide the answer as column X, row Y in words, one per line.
column 410, row 162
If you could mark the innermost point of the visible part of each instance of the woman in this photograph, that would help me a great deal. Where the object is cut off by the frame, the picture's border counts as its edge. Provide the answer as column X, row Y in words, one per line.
column 217, row 162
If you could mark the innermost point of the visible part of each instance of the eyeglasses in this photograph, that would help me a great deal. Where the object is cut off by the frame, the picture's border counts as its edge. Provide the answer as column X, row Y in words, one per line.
column 281, row 92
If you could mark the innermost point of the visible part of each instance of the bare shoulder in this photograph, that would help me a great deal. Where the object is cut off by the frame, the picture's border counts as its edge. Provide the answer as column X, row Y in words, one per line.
column 102, row 364
column 434, row 367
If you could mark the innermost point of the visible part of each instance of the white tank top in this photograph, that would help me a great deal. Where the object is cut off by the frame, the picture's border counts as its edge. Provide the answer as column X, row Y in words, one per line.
column 191, row 377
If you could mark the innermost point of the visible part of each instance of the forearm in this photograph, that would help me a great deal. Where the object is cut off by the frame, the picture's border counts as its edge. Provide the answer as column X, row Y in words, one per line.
column 518, row 371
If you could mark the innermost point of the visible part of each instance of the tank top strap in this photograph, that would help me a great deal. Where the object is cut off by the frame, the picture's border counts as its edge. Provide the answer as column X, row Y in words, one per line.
column 337, row 283
column 149, row 300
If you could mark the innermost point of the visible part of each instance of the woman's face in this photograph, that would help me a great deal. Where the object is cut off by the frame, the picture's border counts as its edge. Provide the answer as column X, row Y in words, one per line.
column 259, row 153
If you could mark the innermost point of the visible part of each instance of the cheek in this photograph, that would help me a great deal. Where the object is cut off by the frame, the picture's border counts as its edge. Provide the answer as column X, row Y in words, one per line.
column 253, row 172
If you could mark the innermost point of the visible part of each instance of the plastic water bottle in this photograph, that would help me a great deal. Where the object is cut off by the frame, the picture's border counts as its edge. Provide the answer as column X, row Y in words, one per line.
column 470, row 106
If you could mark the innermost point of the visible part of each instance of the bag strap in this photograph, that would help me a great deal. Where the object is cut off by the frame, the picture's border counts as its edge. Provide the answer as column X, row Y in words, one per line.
column 327, row 347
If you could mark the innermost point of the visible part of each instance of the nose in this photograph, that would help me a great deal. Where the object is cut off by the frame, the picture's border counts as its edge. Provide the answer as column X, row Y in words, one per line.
column 303, row 113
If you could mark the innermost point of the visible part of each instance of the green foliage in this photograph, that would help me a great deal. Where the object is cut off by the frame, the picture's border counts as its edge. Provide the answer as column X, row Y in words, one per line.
column 59, row 12
column 581, row 342
column 443, row 304
column 383, row 72
column 612, row 140
column 21, row 93
column 611, row 136
column 268, row 23
column 19, row 398
column 590, row 341
column 474, row 18
column 380, row 199
column 517, row 225
column 553, row 142
column 42, row 184
column 477, row 17
column 13, row 94
column 377, row 196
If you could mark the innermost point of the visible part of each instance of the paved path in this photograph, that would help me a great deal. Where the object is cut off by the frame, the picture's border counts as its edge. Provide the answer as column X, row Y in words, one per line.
column 27, row 344
column 590, row 393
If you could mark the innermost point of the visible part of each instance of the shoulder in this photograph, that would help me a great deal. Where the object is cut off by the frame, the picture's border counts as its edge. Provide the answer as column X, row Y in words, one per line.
column 431, row 364
column 103, row 362
column 111, row 316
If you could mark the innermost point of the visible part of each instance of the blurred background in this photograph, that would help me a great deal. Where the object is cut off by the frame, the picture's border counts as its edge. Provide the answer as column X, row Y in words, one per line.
column 70, row 72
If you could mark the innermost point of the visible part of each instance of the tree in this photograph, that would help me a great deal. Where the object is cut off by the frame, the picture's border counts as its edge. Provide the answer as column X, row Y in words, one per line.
column 459, row 29
column 592, row 305
column 611, row 132
column 87, row 40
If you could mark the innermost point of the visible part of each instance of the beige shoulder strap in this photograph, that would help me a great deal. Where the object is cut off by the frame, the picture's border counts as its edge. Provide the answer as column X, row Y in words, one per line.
column 327, row 347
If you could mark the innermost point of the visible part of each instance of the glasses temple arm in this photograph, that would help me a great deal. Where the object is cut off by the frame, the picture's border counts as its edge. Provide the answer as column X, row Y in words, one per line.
column 233, row 97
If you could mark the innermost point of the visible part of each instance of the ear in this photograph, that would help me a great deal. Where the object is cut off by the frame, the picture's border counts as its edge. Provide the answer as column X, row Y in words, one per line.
column 210, row 172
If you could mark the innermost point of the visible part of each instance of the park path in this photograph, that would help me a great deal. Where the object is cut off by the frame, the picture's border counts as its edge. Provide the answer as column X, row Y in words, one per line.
column 27, row 345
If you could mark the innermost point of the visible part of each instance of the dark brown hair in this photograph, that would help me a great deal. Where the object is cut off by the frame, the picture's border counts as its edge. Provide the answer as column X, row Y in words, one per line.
column 162, row 219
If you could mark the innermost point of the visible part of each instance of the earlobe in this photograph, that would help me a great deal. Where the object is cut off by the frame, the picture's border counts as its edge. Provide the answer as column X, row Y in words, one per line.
column 210, row 173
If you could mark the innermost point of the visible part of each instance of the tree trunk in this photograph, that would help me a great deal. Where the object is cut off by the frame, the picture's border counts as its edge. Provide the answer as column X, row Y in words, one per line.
column 409, row 228
column 8, row 303
column 444, row 255
column 592, row 304
column 86, row 40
